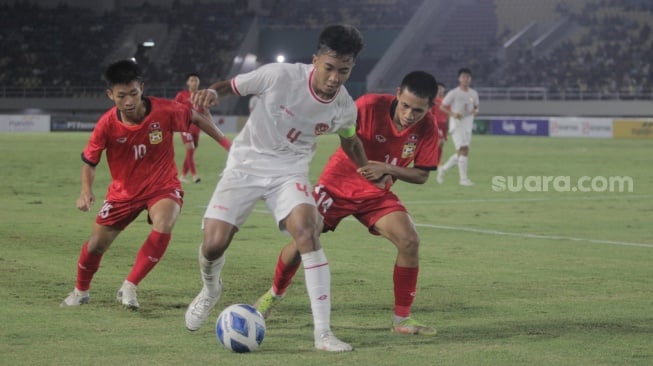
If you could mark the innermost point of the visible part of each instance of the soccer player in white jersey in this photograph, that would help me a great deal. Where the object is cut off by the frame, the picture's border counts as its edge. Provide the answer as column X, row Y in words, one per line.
column 461, row 104
column 269, row 160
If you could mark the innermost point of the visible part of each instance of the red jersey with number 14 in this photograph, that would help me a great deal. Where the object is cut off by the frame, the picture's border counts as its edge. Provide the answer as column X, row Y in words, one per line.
column 382, row 141
column 140, row 157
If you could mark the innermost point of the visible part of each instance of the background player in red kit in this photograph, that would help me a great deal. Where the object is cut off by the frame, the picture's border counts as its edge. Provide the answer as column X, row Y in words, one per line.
column 396, row 130
column 137, row 135
column 440, row 117
column 190, row 138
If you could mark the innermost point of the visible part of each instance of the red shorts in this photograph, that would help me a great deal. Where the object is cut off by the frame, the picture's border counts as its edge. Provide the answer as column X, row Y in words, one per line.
column 368, row 212
column 121, row 214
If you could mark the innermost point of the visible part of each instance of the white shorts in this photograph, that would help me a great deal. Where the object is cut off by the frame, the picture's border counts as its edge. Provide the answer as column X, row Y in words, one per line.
column 237, row 193
column 461, row 132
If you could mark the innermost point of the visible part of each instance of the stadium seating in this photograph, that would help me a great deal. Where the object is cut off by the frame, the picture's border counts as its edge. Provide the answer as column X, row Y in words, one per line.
column 607, row 52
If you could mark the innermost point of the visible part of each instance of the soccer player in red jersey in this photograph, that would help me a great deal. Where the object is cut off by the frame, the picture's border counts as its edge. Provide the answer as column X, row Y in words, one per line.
column 396, row 131
column 190, row 138
column 441, row 118
column 137, row 135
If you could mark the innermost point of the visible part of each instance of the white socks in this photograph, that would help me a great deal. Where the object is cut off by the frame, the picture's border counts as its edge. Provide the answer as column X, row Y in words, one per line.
column 462, row 167
column 318, row 284
column 210, row 271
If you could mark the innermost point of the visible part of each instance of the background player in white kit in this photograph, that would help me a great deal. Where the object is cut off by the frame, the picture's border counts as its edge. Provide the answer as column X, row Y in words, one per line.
column 269, row 160
column 461, row 104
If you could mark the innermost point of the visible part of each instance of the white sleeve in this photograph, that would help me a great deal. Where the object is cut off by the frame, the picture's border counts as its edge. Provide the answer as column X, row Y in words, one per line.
column 257, row 81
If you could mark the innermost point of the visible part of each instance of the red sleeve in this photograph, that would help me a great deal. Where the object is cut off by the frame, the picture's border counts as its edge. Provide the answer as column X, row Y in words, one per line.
column 182, row 117
column 427, row 155
column 97, row 142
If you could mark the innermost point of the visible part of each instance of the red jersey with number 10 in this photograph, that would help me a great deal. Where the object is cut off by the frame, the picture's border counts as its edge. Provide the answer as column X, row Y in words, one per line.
column 382, row 141
column 140, row 157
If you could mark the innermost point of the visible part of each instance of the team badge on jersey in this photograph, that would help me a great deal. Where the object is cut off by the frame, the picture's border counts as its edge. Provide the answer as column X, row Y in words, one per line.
column 156, row 134
column 409, row 147
column 321, row 128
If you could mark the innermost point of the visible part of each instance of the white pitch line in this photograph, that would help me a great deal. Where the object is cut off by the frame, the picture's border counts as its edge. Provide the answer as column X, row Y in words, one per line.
column 535, row 236
column 565, row 199
column 519, row 235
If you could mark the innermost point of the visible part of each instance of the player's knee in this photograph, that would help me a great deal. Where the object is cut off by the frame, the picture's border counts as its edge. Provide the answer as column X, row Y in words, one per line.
column 409, row 245
column 215, row 243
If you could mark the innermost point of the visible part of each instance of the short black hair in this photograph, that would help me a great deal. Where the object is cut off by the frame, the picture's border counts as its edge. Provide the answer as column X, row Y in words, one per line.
column 345, row 40
column 122, row 72
column 465, row 70
column 441, row 84
column 192, row 74
column 420, row 83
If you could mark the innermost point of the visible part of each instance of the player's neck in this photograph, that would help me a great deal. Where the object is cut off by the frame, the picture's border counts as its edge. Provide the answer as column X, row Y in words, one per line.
column 140, row 115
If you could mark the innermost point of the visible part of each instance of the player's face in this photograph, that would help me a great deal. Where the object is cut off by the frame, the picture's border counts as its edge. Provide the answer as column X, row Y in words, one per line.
column 127, row 98
column 193, row 83
column 331, row 71
column 464, row 79
column 440, row 91
column 410, row 109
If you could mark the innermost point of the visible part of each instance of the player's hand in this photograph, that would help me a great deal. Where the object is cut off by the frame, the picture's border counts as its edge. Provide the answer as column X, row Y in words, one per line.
column 85, row 201
column 205, row 98
column 374, row 170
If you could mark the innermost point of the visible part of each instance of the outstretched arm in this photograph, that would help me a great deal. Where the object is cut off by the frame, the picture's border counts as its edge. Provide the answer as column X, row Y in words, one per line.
column 207, row 98
column 204, row 121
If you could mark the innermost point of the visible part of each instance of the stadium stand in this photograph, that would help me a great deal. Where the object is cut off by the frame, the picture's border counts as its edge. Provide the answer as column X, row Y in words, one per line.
column 570, row 49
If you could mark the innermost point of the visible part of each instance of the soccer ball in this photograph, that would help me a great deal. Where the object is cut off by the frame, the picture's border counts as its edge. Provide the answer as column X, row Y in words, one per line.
column 240, row 328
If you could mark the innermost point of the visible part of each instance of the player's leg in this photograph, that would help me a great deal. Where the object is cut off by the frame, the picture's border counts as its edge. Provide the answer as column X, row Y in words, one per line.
column 193, row 166
column 287, row 265
column 302, row 224
column 232, row 201
column 88, row 264
column 163, row 212
column 457, row 138
column 187, row 139
column 463, row 153
column 398, row 227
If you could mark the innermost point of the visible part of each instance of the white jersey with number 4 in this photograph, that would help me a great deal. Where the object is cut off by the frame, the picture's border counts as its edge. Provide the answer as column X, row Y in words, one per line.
column 280, row 134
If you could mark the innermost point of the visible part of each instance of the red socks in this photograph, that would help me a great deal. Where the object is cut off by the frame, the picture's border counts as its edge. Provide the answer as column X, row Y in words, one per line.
column 87, row 265
column 283, row 276
column 149, row 255
column 189, row 163
column 405, row 286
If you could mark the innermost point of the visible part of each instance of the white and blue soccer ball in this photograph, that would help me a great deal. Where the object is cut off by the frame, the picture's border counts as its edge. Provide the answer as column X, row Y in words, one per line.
column 240, row 328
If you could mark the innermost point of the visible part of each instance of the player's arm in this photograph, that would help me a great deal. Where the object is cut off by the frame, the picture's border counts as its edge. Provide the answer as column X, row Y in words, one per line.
column 352, row 145
column 204, row 121
column 208, row 97
column 410, row 175
column 86, row 197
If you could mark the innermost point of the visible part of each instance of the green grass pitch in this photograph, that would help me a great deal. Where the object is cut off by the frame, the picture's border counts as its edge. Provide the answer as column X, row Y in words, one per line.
column 518, row 277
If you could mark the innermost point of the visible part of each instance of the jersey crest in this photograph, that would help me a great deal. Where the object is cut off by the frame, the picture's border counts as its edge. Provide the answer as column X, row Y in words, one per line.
column 409, row 147
column 321, row 128
column 156, row 134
